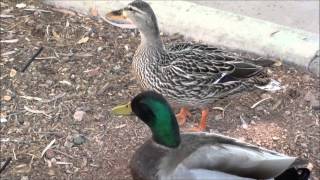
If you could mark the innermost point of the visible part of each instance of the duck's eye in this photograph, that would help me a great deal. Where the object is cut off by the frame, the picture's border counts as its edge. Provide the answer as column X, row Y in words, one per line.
column 129, row 8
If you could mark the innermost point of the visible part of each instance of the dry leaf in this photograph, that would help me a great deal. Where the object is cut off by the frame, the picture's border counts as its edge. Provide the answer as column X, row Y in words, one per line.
column 83, row 40
column 55, row 35
column 21, row 5
column 278, row 63
column 7, row 98
column 13, row 73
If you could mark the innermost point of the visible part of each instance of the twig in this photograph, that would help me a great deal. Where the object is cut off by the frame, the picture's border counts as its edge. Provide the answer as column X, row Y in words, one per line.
column 31, row 98
column 48, row 147
column 9, row 41
column 43, row 100
column 221, row 109
column 69, row 156
column 244, row 124
column 64, row 11
column 40, row 10
column 32, row 59
column 44, row 58
column 8, row 53
column 6, row 16
column 257, row 103
column 63, row 163
column 14, row 154
column 5, row 164
column 54, row 98
column 36, row 111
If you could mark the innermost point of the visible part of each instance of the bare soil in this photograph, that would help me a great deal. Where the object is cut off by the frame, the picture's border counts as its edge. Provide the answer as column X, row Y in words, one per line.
column 65, row 96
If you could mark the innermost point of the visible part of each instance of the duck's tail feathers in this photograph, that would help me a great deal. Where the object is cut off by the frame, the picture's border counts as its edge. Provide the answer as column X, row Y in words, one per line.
column 272, row 86
column 294, row 174
column 263, row 62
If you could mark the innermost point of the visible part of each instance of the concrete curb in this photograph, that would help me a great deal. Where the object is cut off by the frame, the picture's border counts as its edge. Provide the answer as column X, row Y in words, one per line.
column 224, row 29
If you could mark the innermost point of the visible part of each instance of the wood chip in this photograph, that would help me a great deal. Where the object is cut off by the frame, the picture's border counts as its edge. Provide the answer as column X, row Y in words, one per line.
column 6, row 98
column 13, row 73
column 55, row 35
column 83, row 40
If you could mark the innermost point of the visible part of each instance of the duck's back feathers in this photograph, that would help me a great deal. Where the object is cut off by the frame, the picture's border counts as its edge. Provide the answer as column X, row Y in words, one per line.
column 208, row 151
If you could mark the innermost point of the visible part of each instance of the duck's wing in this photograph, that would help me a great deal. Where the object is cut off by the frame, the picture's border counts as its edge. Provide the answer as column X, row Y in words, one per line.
column 209, row 151
column 217, row 72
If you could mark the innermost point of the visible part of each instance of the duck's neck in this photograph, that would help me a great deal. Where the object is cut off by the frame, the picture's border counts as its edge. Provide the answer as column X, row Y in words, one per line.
column 163, row 124
column 151, row 39
column 150, row 36
column 166, row 133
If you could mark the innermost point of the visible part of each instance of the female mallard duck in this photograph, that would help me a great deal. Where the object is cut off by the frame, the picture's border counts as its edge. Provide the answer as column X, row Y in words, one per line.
column 186, row 74
column 198, row 155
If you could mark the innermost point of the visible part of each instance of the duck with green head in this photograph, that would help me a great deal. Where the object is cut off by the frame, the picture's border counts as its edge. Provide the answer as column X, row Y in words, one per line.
column 170, row 155
column 187, row 74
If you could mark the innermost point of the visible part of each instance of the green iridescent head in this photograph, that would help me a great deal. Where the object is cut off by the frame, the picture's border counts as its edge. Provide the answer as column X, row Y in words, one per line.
column 155, row 111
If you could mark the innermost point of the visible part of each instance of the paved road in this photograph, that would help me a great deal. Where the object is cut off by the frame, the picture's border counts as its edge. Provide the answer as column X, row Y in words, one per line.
column 302, row 14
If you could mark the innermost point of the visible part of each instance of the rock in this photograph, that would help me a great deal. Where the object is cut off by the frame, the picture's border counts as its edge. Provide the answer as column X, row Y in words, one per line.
column 116, row 67
column 287, row 112
column 312, row 97
column 24, row 178
column 218, row 117
column 21, row 5
column 78, row 115
column 275, row 138
column 49, row 154
column 68, row 143
column 13, row 73
column 3, row 120
column 265, row 95
column 306, row 78
column 309, row 96
column 6, row 98
column 315, row 104
column 78, row 139
column 293, row 93
column 100, row 49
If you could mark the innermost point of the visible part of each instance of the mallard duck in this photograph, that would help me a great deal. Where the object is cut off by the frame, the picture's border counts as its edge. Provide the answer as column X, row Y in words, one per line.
column 187, row 74
column 170, row 155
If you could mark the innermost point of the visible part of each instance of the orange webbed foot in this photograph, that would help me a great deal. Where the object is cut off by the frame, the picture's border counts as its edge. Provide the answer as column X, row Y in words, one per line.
column 182, row 116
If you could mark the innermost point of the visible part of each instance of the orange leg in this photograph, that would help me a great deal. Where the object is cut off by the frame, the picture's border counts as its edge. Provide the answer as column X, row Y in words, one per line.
column 182, row 116
column 203, row 121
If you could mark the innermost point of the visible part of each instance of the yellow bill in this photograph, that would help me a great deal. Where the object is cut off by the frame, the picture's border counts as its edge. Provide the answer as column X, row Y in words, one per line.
column 122, row 110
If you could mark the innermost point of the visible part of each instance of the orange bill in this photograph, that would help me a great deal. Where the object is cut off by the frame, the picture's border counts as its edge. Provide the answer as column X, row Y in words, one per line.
column 119, row 18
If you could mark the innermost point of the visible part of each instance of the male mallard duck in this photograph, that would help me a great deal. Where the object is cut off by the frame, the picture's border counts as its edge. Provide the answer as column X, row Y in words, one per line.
column 186, row 74
column 198, row 155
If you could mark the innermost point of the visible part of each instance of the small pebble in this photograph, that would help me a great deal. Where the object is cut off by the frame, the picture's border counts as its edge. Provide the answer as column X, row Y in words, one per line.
column 218, row 117
column 79, row 139
column 116, row 67
column 24, row 178
column 275, row 138
column 49, row 154
column 100, row 49
column 78, row 115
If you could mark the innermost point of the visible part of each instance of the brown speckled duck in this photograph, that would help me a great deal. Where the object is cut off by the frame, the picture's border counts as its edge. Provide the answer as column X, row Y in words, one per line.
column 187, row 74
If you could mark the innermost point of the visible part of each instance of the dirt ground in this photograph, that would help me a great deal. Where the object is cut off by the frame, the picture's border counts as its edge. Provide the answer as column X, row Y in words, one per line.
column 55, row 116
